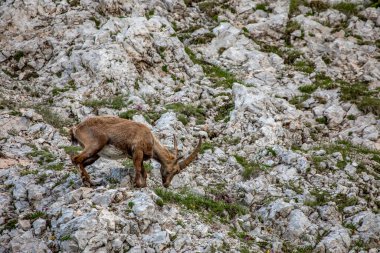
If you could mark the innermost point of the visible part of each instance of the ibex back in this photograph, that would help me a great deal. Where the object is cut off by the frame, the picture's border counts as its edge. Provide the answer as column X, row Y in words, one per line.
column 115, row 138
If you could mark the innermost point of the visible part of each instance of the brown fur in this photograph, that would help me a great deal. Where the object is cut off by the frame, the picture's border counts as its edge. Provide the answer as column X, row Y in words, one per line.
column 133, row 139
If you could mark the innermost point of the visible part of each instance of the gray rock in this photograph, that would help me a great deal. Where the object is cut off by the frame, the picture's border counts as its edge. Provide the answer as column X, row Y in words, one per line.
column 39, row 226
column 338, row 240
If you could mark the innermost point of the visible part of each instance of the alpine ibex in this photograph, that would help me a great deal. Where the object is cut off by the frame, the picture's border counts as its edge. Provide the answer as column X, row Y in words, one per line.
column 115, row 138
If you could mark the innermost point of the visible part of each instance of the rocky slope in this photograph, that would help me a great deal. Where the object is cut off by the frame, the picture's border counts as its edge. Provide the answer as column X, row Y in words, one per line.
column 286, row 93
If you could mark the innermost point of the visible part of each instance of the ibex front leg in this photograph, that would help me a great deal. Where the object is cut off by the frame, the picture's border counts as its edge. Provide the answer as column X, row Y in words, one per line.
column 87, row 157
column 137, row 161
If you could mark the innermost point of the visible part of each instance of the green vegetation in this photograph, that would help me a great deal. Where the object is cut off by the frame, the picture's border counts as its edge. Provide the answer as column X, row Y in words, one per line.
column 116, row 103
column 263, row 7
column 298, row 100
column 72, row 150
column 308, row 88
column 11, row 224
column 358, row 93
column 128, row 114
column 223, row 112
column 51, row 117
column 186, row 111
column 55, row 167
column 203, row 38
column 201, row 203
column 205, row 146
column 127, row 163
column 321, row 198
column 36, row 215
column 61, row 180
column 322, row 120
column 70, row 85
column 250, row 169
column 304, row 66
column 41, row 179
column 28, row 172
column 347, row 8
column 219, row 76
column 65, row 238
column 43, row 155
column 96, row 21
column 343, row 201
column 165, row 68
column 18, row 55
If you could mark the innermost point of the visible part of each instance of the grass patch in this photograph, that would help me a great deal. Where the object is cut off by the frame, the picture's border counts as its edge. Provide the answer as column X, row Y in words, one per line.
column 298, row 100
column 18, row 55
column 308, row 88
column 55, row 167
column 43, row 155
column 223, row 112
column 220, row 77
column 36, row 215
column 320, row 198
column 186, row 111
column 200, row 203
column 304, row 66
column 322, row 120
column 116, row 103
column 206, row 146
column 51, row 117
column 96, row 21
column 347, row 8
column 343, row 201
column 72, row 150
column 65, row 238
column 250, row 169
column 203, row 38
column 28, row 172
column 11, row 224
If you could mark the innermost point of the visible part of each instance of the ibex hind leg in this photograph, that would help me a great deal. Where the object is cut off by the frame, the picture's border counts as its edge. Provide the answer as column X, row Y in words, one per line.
column 137, row 161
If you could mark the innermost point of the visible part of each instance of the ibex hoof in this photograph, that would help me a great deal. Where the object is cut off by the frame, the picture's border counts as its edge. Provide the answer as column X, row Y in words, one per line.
column 140, row 184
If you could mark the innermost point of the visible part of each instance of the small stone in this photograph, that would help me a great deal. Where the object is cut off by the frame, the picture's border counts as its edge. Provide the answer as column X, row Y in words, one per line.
column 24, row 224
column 39, row 226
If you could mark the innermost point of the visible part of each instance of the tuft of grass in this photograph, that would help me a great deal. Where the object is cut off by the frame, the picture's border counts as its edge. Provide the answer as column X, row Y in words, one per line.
column 320, row 198
column 127, row 114
column 351, row 117
column 72, row 150
column 51, row 117
column 220, row 77
column 204, row 38
column 55, row 167
column 65, row 238
column 116, row 103
column 250, row 169
column 165, row 68
column 263, row 7
column 186, row 111
column 223, row 112
column 305, row 66
column 205, row 146
column 43, row 155
column 36, row 215
column 308, row 88
column 11, row 224
column 96, row 21
column 322, row 120
column 298, row 100
column 200, row 203
column 343, row 201
column 18, row 55
column 359, row 94
column 347, row 8
column 28, row 172
column 41, row 179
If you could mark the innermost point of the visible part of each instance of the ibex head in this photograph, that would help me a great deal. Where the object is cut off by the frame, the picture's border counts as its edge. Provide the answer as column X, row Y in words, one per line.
column 174, row 166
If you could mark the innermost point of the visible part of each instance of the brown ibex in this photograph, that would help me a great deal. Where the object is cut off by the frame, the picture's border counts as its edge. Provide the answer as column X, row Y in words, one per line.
column 115, row 138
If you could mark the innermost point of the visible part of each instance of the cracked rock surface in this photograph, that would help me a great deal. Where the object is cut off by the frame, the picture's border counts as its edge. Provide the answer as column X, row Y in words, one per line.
column 286, row 95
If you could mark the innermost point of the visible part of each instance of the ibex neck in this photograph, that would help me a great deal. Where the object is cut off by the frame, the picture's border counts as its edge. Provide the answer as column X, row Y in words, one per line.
column 160, row 153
